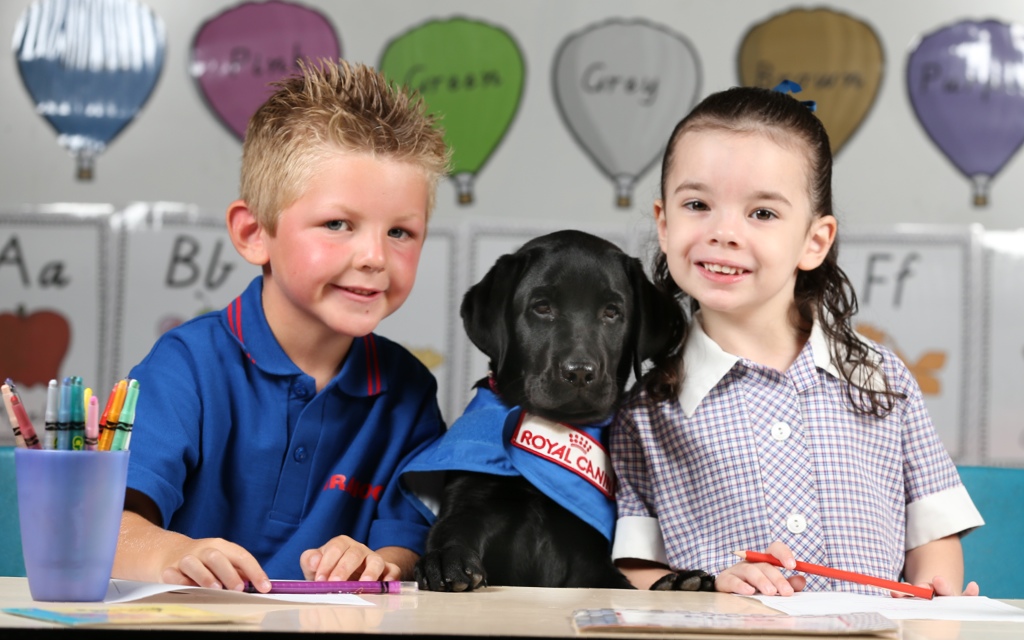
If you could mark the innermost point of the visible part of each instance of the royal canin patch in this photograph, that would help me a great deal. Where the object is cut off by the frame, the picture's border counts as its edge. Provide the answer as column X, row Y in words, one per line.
column 568, row 447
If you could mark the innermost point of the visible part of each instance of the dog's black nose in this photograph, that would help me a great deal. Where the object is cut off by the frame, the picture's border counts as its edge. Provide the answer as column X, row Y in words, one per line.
column 578, row 374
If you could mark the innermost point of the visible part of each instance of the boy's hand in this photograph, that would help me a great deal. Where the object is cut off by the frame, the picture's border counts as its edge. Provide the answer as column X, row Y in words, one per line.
column 748, row 578
column 148, row 552
column 213, row 563
column 342, row 558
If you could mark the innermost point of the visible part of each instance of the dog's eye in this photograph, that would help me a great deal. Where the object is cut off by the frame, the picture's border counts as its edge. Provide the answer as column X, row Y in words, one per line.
column 612, row 312
column 542, row 308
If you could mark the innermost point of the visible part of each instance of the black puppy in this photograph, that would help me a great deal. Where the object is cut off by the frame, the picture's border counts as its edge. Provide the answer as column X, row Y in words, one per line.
column 528, row 499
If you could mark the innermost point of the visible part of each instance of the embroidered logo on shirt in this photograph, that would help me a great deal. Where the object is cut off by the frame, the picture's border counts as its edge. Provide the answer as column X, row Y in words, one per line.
column 353, row 487
column 566, row 446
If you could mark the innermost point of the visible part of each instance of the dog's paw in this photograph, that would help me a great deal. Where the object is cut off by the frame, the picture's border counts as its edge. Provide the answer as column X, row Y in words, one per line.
column 454, row 568
column 685, row 581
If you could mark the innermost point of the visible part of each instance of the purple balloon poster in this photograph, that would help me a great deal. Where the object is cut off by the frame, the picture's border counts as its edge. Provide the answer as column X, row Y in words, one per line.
column 237, row 54
column 89, row 67
column 967, row 89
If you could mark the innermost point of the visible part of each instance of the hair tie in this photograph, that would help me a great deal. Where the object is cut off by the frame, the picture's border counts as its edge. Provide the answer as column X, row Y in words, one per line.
column 788, row 86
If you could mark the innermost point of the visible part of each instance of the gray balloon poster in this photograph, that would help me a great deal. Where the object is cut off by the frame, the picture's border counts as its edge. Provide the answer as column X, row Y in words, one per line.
column 620, row 85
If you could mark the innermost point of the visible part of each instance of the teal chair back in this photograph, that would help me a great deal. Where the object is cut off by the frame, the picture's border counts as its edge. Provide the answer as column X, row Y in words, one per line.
column 11, row 561
column 990, row 552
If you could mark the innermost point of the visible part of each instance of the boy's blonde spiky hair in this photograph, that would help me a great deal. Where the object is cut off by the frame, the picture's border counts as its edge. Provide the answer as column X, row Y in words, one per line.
column 326, row 108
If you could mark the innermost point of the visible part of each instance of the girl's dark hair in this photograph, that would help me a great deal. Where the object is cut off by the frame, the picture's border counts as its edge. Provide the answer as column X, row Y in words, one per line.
column 825, row 292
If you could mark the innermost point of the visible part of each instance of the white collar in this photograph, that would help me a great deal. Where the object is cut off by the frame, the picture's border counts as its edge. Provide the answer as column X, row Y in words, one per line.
column 705, row 364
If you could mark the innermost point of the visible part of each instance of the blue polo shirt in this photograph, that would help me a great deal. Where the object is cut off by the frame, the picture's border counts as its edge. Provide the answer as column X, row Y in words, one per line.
column 231, row 439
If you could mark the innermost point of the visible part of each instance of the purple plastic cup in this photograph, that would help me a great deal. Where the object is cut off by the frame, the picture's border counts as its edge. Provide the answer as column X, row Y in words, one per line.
column 70, row 505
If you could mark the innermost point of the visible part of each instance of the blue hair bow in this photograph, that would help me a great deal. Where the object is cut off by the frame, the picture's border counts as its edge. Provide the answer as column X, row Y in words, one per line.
column 788, row 86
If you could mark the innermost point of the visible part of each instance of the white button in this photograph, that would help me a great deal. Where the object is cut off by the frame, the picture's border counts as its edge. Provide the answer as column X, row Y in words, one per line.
column 796, row 523
column 781, row 431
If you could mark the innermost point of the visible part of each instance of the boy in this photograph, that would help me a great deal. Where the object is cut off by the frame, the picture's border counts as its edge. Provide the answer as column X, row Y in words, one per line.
column 268, row 436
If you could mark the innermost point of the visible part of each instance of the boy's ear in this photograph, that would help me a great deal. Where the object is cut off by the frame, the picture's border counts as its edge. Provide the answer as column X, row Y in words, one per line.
column 820, row 238
column 246, row 233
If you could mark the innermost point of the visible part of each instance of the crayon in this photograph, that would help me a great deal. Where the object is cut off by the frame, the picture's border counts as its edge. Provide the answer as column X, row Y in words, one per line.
column 27, row 430
column 336, row 586
column 850, row 576
column 64, row 415
column 8, row 392
column 113, row 414
column 50, row 417
column 92, row 424
column 77, row 414
column 103, row 414
column 125, row 421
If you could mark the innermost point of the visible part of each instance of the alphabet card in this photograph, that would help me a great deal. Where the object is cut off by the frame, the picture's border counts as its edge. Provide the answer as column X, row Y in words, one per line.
column 53, row 308
column 913, row 291
column 428, row 323
column 175, row 265
column 1003, row 345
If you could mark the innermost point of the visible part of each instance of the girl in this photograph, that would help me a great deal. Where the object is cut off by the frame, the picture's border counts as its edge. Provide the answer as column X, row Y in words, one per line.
column 774, row 426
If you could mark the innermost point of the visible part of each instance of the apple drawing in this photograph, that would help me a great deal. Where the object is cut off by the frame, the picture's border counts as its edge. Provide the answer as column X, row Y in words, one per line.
column 33, row 346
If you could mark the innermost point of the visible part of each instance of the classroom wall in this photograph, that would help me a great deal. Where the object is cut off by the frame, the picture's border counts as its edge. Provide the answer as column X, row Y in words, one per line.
column 175, row 150
column 140, row 246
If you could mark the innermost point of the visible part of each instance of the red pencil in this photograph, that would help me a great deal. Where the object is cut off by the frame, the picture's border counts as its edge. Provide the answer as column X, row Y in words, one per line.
column 839, row 574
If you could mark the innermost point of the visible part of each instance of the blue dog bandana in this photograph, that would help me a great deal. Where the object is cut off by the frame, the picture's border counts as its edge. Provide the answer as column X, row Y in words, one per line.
column 569, row 464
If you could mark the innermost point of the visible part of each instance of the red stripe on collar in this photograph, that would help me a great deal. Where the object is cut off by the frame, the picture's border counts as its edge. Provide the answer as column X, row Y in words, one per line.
column 235, row 318
column 235, row 323
column 372, row 365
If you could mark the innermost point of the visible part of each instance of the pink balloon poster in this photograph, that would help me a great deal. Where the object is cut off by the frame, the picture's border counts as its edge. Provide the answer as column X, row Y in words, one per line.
column 237, row 54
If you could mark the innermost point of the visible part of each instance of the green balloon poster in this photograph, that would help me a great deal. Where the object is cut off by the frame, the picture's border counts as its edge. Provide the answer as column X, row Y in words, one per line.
column 470, row 75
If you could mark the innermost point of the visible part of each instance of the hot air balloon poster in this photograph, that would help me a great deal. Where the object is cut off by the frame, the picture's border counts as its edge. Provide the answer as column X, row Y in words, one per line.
column 238, row 53
column 470, row 74
column 89, row 66
column 1003, row 344
column 620, row 86
column 835, row 58
column 913, row 298
column 966, row 84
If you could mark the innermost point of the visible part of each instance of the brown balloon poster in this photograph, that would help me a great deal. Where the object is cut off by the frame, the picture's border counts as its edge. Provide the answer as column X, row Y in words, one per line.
column 837, row 59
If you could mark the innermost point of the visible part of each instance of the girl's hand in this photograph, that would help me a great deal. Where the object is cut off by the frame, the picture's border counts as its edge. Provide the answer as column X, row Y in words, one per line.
column 942, row 563
column 749, row 578
column 342, row 558
column 944, row 587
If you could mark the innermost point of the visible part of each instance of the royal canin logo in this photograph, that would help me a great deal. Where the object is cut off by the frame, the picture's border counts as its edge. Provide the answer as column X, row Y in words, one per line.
column 556, row 442
column 580, row 441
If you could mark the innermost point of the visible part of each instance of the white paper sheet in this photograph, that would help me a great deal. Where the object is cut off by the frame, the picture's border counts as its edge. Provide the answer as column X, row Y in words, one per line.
column 129, row 590
column 938, row 608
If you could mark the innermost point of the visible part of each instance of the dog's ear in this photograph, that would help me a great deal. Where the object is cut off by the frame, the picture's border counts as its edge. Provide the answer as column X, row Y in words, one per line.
column 658, row 318
column 486, row 308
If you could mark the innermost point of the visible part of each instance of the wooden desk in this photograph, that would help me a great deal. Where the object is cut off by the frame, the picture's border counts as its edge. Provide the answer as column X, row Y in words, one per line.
column 508, row 612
